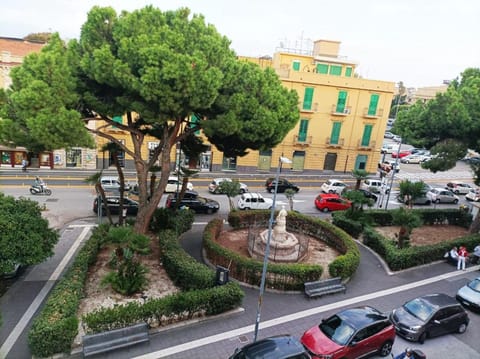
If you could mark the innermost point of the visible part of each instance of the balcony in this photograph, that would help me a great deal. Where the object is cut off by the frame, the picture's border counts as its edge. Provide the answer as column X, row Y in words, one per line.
column 369, row 147
column 346, row 111
column 377, row 114
column 339, row 143
column 314, row 107
column 302, row 140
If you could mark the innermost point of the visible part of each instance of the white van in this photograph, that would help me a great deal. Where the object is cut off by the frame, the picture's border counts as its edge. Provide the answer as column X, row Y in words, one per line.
column 174, row 184
column 374, row 185
column 389, row 148
column 112, row 183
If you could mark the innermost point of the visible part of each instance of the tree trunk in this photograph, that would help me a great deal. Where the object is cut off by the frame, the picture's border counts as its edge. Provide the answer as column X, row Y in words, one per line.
column 475, row 226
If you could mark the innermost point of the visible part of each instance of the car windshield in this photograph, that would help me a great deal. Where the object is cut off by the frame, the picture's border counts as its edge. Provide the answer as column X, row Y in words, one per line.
column 337, row 330
column 419, row 308
column 474, row 285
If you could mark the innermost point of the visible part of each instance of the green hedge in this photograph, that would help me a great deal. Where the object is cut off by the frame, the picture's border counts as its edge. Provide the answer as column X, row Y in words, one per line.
column 398, row 259
column 281, row 276
column 54, row 329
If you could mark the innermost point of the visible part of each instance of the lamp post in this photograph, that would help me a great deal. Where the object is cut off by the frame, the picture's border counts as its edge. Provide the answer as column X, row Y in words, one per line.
column 281, row 160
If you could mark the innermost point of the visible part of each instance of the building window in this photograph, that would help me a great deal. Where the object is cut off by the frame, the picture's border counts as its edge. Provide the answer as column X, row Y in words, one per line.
column 334, row 137
column 341, row 101
column 229, row 163
column 367, row 132
column 73, row 157
column 335, row 70
column 117, row 119
column 194, row 120
column 296, row 65
column 322, row 68
column 372, row 108
column 307, row 98
column 361, row 162
column 302, row 132
column 348, row 71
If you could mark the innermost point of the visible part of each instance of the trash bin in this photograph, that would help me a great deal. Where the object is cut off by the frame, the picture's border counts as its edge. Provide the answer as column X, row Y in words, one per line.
column 222, row 275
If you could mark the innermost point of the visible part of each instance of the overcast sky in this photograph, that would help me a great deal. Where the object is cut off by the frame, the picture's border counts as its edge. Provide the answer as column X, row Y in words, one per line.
column 419, row 42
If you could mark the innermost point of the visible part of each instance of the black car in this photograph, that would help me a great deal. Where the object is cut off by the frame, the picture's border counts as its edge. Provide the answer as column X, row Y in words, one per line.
column 113, row 203
column 429, row 316
column 193, row 201
column 277, row 347
column 367, row 194
column 283, row 184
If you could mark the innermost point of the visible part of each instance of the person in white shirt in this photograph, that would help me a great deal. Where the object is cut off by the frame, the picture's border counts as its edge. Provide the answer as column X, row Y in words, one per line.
column 475, row 255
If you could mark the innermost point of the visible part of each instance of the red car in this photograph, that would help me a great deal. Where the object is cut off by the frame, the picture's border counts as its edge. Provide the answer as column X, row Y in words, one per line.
column 331, row 202
column 401, row 154
column 350, row 334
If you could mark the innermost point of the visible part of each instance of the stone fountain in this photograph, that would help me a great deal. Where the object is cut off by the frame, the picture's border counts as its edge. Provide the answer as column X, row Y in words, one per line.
column 284, row 246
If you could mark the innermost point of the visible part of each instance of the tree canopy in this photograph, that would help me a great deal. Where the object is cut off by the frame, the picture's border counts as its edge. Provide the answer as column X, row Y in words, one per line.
column 159, row 69
column 448, row 125
column 25, row 237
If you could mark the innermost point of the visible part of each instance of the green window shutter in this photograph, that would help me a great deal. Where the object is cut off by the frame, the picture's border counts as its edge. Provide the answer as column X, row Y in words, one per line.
column 341, row 101
column 335, row 133
column 117, row 119
column 322, row 68
column 348, row 72
column 307, row 98
column 193, row 122
column 372, row 108
column 302, row 132
column 296, row 65
column 335, row 70
column 367, row 132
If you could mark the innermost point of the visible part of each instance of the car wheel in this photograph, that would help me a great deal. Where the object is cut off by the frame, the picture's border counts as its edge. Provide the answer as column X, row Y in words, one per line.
column 385, row 349
column 437, row 201
column 325, row 210
column 422, row 338
column 246, row 208
column 456, row 201
column 270, row 190
column 462, row 328
column 242, row 191
column 428, row 203
column 209, row 211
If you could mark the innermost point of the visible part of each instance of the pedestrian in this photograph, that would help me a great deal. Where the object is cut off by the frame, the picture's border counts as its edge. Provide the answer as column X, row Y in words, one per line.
column 452, row 256
column 462, row 255
column 408, row 353
column 24, row 165
column 475, row 257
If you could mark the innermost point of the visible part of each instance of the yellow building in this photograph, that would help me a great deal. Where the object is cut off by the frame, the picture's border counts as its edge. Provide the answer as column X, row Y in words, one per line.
column 342, row 120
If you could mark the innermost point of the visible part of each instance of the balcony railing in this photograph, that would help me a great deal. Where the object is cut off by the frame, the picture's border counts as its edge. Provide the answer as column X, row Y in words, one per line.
column 346, row 111
column 369, row 146
column 339, row 143
column 314, row 107
column 302, row 140
column 377, row 114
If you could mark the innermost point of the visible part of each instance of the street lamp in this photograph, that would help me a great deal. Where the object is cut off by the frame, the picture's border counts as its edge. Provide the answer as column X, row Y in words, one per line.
column 281, row 160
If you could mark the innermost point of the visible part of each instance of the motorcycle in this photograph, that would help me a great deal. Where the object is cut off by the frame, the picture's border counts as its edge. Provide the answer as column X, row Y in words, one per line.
column 416, row 354
column 40, row 190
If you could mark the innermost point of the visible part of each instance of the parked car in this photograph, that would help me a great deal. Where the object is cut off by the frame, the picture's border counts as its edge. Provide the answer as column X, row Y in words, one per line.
column 374, row 185
column 469, row 295
column 388, row 166
column 112, row 183
column 113, row 203
column 174, row 184
column 193, row 201
column 283, row 184
column 16, row 270
column 429, row 316
column 351, row 333
column 331, row 202
column 333, row 186
column 400, row 154
column 277, row 347
column 442, row 195
column 213, row 187
column 397, row 138
column 474, row 160
column 388, row 134
column 389, row 148
column 458, row 187
column 415, row 158
column 366, row 193
column 423, row 199
column 252, row 200
column 473, row 195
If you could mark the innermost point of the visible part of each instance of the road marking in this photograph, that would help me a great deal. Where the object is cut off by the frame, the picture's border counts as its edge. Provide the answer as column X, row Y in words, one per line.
column 294, row 316
column 20, row 327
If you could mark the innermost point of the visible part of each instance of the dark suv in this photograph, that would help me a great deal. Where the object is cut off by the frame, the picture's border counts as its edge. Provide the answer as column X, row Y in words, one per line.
column 350, row 334
column 429, row 316
column 278, row 347
column 283, row 184
column 193, row 201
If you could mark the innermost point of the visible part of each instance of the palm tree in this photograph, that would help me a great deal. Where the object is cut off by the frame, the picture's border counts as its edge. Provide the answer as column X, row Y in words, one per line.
column 410, row 191
column 359, row 176
column 407, row 220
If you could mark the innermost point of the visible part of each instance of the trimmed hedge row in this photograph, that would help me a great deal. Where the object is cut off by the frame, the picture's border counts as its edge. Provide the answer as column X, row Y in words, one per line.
column 281, row 276
column 398, row 259
column 55, row 328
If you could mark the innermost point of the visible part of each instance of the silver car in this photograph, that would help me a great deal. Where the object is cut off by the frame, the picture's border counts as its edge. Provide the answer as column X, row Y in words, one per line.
column 469, row 295
column 442, row 195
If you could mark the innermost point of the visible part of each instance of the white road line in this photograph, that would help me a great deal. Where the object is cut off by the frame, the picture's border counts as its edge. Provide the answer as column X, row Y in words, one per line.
column 294, row 316
column 20, row 327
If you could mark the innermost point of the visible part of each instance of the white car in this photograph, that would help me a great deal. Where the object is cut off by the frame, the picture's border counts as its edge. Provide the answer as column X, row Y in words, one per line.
column 333, row 186
column 112, row 183
column 389, row 148
column 415, row 158
column 473, row 195
column 254, row 200
column 374, row 185
column 174, row 184
column 213, row 186
column 458, row 187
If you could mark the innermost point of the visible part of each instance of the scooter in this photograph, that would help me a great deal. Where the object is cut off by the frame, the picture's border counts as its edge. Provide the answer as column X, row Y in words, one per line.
column 40, row 190
column 416, row 354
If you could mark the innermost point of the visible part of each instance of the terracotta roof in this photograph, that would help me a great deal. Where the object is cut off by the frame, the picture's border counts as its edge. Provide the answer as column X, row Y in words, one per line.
column 19, row 47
